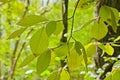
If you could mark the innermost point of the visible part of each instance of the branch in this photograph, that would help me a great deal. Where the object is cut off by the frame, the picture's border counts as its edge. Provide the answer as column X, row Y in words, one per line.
column 18, row 56
column 16, row 44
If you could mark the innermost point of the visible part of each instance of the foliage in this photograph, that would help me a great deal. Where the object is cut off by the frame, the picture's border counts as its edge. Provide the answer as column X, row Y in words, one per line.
column 31, row 46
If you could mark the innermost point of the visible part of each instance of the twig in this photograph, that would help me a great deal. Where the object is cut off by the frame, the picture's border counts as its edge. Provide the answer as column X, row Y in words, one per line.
column 13, row 64
column 73, row 16
column 19, row 53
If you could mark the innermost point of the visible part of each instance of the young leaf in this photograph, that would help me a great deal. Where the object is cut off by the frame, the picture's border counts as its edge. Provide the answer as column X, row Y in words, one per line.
column 99, row 30
column 59, row 28
column 39, row 42
column 90, row 49
column 117, row 39
column 61, row 51
column 50, row 27
column 64, row 75
column 27, row 60
column 105, row 12
column 54, row 76
column 16, row 33
column 43, row 61
column 31, row 20
column 109, row 49
column 74, row 59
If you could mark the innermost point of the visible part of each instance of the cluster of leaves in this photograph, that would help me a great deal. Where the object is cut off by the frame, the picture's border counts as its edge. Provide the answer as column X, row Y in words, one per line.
column 74, row 52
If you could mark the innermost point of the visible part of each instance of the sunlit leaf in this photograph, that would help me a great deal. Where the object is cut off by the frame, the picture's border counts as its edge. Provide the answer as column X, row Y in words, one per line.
column 90, row 49
column 54, row 76
column 43, row 61
column 27, row 60
column 39, row 42
column 59, row 28
column 61, row 51
column 105, row 12
column 74, row 59
column 50, row 27
column 16, row 33
column 109, row 49
column 108, row 77
column 116, row 74
column 64, row 75
column 31, row 20
column 99, row 30
column 117, row 39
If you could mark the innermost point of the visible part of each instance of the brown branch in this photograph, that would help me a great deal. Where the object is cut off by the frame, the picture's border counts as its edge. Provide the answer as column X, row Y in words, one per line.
column 16, row 44
column 18, row 56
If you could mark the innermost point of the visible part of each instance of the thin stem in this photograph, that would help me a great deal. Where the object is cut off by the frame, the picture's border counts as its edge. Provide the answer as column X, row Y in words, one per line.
column 73, row 16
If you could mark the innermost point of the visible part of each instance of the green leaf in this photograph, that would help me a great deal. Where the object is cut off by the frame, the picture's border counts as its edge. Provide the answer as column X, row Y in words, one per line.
column 108, row 77
column 109, row 49
column 105, row 12
column 116, row 65
column 31, row 20
column 27, row 60
column 99, row 30
column 59, row 28
column 113, row 22
column 74, row 59
column 39, row 42
column 78, row 47
column 117, row 39
column 90, row 49
column 4, row 1
column 64, row 75
column 61, row 51
column 16, row 33
column 116, row 74
column 50, row 27
column 43, row 61
column 54, row 76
